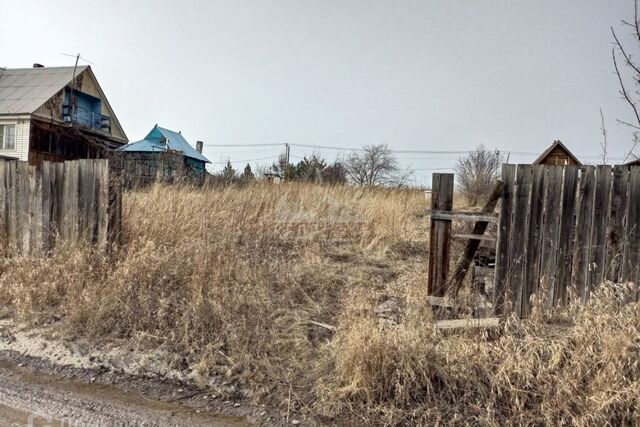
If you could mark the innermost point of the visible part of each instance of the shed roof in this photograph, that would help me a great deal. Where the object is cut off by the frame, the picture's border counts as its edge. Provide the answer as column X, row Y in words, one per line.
column 161, row 139
column 24, row 90
column 635, row 162
column 556, row 144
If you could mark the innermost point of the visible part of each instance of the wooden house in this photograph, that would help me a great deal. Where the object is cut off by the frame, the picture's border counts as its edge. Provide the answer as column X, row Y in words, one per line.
column 163, row 154
column 557, row 154
column 55, row 114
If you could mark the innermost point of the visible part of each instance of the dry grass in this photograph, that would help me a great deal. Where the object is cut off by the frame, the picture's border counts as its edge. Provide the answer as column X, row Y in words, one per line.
column 228, row 278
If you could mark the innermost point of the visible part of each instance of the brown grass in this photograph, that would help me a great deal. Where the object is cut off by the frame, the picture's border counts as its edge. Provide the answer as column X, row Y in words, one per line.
column 228, row 279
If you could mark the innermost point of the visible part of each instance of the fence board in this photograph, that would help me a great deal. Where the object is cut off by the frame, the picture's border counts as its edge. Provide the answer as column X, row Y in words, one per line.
column 567, row 222
column 617, row 214
column 22, row 215
column 35, row 212
column 12, row 204
column 500, row 296
column 520, row 227
column 582, row 249
column 632, row 253
column 102, row 230
column 58, row 202
column 3, row 202
column 551, row 229
column 534, row 242
column 440, row 234
column 599, row 228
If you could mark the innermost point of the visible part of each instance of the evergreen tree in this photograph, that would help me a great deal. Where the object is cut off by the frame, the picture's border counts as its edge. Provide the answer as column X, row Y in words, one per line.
column 247, row 174
column 228, row 173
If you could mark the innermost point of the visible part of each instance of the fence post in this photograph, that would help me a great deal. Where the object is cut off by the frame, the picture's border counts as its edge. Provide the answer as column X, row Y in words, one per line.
column 440, row 234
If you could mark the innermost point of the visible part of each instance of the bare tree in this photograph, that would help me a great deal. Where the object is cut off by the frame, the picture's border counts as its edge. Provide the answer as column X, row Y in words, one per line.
column 603, row 144
column 476, row 173
column 375, row 165
column 632, row 98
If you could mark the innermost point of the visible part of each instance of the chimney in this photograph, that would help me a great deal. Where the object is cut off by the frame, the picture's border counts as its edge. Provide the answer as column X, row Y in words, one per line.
column 36, row 65
column 199, row 146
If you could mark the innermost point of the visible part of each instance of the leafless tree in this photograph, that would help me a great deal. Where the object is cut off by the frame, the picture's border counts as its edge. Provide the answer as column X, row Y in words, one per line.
column 476, row 173
column 630, row 72
column 375, row 165
column 603, row 144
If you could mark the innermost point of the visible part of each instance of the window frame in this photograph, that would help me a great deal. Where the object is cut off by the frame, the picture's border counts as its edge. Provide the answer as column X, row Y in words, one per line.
column 5, row 135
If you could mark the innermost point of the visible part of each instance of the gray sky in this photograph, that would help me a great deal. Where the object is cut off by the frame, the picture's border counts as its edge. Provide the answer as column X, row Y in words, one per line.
column 418, row 75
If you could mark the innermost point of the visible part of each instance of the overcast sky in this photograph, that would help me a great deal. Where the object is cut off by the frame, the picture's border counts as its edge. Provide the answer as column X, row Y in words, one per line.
column 418, row 75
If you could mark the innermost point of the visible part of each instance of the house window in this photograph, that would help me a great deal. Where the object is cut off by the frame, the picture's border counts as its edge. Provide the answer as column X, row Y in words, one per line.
column 7, row 137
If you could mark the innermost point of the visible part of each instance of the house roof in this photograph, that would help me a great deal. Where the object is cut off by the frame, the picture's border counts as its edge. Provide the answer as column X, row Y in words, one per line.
column 161, row 139
column 556, row 144
column 635, row 162
column 24, row 90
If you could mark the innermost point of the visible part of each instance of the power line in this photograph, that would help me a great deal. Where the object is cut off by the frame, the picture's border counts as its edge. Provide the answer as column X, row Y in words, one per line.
column 247, row 160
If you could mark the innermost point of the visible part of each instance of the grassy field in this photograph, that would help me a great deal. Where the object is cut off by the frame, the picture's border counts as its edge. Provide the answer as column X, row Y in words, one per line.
column 231, row 281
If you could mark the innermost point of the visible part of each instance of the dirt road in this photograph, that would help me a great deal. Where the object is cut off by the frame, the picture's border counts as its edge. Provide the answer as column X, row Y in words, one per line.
column 28, row 398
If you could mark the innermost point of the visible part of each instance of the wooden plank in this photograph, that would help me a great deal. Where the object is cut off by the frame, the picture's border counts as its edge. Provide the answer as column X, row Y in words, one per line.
column 57, row 195
column 582, row 248
column 551, row 229
column 599, row 228
column 503, row 260
column 464, row 216
column 3, row 203
column 473, row 237
column 23, row 195
column 441, row 301
column 617, row 214
column 483, row 323
column 454, row 283
column 12, row 205
column 519, row 235
column 35, row 211
column 631, row 268
column 102, row 173
column 46, row 181
column 70, row 218
column 440, row 234
column 567, row 227
column 534, row 240
column 115, row 205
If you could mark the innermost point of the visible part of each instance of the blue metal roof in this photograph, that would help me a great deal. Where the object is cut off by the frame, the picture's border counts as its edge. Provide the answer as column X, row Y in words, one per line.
column 161, row 139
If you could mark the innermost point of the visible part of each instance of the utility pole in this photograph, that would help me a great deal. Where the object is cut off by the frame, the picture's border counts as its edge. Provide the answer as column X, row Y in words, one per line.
column 287, row 152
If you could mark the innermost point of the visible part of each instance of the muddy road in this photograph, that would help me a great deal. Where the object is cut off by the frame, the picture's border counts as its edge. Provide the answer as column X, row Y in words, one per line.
column 41, row 399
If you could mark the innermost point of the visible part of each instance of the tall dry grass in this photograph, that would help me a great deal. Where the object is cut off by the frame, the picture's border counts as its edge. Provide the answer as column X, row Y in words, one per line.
column 227, row 280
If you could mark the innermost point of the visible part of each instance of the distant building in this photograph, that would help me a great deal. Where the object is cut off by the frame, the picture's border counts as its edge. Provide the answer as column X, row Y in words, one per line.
column 162, row 154
column 557, row 154
column 635, row 162
column 55, row 114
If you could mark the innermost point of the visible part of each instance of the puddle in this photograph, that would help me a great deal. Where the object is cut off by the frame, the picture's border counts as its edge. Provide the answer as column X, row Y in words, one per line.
column 44, row 394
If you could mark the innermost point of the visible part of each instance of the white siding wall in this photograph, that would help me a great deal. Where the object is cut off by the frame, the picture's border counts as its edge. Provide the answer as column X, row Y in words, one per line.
column 22, row 137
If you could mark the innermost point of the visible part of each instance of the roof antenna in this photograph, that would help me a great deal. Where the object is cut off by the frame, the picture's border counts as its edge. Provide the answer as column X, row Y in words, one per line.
column 73, row 80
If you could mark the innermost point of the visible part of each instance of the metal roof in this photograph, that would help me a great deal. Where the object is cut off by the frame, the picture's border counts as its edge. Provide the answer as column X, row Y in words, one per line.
column 24, row 90
column 161, row 139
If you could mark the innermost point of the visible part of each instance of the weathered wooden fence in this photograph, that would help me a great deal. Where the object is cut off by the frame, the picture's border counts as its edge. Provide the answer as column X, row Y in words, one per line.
column 566, row 228
column 74, row 200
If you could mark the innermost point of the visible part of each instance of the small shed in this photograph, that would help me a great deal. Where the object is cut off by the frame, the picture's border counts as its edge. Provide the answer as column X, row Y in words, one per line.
column 162, row 154
column 558, row 155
